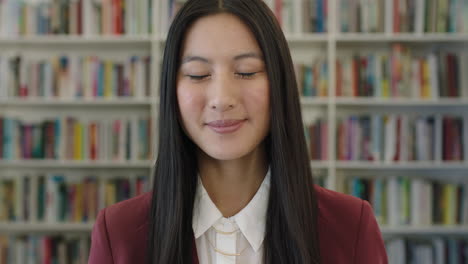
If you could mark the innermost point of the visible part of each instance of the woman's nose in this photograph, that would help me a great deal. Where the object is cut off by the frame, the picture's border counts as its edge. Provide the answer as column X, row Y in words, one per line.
column 223, row 93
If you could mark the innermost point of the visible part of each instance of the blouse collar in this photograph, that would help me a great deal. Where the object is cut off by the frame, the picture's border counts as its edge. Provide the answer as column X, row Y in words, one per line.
column 251, row 219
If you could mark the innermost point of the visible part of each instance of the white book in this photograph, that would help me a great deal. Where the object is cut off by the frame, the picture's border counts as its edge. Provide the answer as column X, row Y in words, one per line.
column 416, row 201
column 144, row 17
column 128, row 21
column 298, row 18
column 439, row 250
column 393, row 200
column 389, row 16
column 48, row 79
column 397, row 251
column 419, row 16
column 20, row 251
column 433, row 75
column 140, row 78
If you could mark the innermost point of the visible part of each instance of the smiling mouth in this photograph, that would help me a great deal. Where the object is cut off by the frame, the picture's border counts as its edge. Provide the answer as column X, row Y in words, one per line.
column 226, row 126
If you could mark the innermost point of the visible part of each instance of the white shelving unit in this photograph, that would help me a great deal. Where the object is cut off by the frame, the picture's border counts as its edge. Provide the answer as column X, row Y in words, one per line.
column 303, row 47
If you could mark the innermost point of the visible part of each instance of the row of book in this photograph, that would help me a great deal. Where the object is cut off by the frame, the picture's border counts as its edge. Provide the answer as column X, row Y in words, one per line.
column 361, row 16
column 75, row 17
column 400, row 138
column 77, row 138
column 120, row 17
column 74, row 76
column 60, row 249
column 400, row 73
column 300, row 16
column 64, row 197
column 294, row 16
column 312, row 80
column 403, row 16
column 435, row 250
column 316, row 134
column 412, row 201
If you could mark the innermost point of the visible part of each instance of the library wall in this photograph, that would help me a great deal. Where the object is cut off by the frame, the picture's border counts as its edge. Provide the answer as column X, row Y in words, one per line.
column 384, row 94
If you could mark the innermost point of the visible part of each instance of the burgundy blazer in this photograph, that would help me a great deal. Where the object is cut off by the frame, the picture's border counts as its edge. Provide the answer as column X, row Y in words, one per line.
column 348, row 231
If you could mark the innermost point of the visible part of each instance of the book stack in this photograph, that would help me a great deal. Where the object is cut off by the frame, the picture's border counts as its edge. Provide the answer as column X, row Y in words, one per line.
column 313, row 14
column 437, row 250
column 44, row 249
column 401, row 138
column 366, row 16
column 412, row 201
column 74, row 76
column 399, row 73
column 116, row 17
column 76, row 138
column 75, row 17
column 316, row 134
column 312, row 80
column 64, row 197
column 41, row 17
column 403, row 16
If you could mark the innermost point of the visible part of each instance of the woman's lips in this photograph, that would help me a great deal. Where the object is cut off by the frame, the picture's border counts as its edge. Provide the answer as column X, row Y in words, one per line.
column 225, row 126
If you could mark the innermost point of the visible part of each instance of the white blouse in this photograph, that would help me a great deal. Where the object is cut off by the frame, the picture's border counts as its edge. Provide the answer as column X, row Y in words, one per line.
column 242, row 233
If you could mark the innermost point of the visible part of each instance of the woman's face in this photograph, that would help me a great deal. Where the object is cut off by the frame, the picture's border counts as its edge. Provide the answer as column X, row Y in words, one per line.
column 222, row 87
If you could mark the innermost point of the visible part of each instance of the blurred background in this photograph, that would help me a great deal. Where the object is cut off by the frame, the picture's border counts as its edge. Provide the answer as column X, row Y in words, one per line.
column 384, row 94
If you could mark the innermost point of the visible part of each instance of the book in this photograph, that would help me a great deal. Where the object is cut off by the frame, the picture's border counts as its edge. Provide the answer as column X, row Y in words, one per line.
column 411, row 201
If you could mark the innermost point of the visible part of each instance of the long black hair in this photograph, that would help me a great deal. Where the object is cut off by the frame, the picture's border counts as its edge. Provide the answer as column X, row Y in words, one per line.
column 291, row 226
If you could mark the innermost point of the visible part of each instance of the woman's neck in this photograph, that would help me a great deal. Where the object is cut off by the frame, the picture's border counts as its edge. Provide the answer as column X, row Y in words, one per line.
column 232, row 184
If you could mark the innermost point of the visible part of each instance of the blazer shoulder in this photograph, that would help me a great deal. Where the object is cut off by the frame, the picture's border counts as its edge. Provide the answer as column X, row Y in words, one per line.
column 129, row 214
column 334, row 205
column 348, row 230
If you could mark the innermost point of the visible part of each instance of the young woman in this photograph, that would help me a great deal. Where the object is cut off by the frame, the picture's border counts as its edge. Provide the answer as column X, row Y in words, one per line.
column 233, row 182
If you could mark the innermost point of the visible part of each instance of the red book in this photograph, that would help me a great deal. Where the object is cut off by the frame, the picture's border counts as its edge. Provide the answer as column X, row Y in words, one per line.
column 93, row 141
column 398, row 141
column 396, row 16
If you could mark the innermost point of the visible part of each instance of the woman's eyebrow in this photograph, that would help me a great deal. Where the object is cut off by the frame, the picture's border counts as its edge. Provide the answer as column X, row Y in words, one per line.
column 195, row 58
column 254, row 55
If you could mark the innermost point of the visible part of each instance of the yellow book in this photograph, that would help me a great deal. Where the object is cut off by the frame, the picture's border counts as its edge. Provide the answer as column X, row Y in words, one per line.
column 78, row 144
column 79, row 207
column 448, row 204
column 110, row 193
column 425, row 89
column 108, row 82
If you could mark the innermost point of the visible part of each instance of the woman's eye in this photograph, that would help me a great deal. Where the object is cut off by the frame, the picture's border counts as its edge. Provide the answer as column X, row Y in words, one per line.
column 197, row 77
column 246, row 74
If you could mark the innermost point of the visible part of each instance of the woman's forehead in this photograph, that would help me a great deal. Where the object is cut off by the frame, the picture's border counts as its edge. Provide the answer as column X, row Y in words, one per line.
column 220, row 35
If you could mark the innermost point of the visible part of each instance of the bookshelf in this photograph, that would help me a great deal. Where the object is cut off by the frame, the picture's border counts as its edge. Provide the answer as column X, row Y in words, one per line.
column 322, row 41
